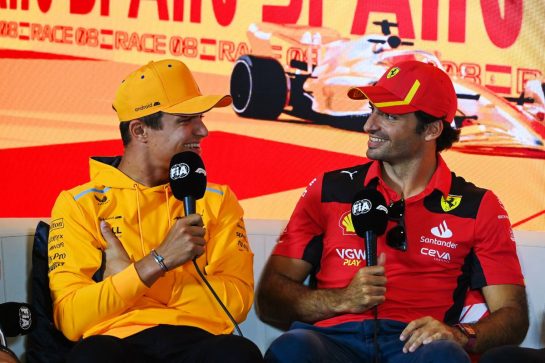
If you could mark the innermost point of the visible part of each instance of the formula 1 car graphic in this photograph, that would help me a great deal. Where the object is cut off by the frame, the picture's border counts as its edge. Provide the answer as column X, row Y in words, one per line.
column 321, row 66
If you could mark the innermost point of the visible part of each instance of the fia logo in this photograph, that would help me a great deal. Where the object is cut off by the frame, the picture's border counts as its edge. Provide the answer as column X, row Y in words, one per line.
column 25, row 318
column 179, row 171
column 361, row 207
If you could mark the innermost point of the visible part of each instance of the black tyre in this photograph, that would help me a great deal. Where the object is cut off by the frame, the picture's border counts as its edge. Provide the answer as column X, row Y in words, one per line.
column 258, row 87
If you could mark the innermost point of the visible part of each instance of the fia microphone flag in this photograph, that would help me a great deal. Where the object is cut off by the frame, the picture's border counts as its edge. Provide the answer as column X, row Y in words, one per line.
column 187, row 177
column 16, row 319
column 369, row 217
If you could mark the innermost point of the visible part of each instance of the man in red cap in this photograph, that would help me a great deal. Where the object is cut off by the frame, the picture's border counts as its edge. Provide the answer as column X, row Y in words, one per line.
column 121, row 248
column 444, row 237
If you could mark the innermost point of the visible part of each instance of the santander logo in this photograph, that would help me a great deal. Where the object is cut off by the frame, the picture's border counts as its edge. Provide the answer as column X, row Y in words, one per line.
column 442, row 230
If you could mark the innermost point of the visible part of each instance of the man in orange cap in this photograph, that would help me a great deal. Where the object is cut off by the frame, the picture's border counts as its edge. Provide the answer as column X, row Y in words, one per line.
column 121, row 249
column 444, row 237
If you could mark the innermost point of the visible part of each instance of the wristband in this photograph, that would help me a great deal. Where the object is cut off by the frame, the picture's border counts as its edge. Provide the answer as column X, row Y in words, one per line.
column 471, row 334
column 160, row 260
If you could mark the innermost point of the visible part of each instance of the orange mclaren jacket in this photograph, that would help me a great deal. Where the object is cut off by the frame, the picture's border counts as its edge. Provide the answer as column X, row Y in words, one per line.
column 140, row 216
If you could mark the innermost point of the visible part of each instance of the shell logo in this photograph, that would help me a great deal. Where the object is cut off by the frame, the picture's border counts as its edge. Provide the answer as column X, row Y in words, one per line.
column 345, row 222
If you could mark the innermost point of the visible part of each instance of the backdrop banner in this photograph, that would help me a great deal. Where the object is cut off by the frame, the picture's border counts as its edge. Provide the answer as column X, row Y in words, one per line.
column 288, row 64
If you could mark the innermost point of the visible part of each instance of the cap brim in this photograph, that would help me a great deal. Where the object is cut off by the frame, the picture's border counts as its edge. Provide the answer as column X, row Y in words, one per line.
column 382, row 99
column 199, row 104
column 355, row 93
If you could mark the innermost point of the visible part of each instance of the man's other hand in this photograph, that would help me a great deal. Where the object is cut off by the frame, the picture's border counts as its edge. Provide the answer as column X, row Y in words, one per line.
column 427, row 329
column 116, row 256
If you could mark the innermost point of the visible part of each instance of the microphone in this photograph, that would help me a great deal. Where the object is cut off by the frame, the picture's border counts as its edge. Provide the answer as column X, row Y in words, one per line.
column 15, row 319
column 187, row 178
column 369, row 217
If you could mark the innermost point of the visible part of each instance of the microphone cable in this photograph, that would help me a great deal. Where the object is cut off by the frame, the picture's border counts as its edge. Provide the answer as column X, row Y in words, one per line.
column 217, row 297
column 187, row 178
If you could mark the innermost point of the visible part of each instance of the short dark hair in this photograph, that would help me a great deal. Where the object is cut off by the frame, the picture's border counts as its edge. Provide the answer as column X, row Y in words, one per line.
column 153, row 121
column 448, row 136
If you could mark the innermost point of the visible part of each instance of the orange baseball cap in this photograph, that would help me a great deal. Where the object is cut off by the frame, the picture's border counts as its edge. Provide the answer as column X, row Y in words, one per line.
column 167, row 86
column 411, row 86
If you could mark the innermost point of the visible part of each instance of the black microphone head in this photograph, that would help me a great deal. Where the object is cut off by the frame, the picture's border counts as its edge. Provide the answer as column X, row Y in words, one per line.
column 16, row 319
column 187, row 175
column 369, row 212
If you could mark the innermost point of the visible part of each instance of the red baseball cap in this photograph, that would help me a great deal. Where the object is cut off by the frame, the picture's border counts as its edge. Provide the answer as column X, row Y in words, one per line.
column 411, row 86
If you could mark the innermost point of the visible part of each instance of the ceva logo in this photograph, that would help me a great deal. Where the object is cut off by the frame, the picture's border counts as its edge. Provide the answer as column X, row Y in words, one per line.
column 437, row 255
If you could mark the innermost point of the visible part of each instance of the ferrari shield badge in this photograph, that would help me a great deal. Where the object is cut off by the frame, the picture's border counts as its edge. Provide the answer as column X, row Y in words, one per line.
column 451, row 202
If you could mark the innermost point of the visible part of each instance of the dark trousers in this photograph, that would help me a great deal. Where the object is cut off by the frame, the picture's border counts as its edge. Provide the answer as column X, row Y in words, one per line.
column 166, row 343
column 513, row 354
column 353, row 343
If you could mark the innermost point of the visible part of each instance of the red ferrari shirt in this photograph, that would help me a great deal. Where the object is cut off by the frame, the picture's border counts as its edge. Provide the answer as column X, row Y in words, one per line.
column 459, row 237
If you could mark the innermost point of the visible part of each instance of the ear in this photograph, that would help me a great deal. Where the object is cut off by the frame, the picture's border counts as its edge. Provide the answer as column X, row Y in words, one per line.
column 433, row 130
column 138, row 131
